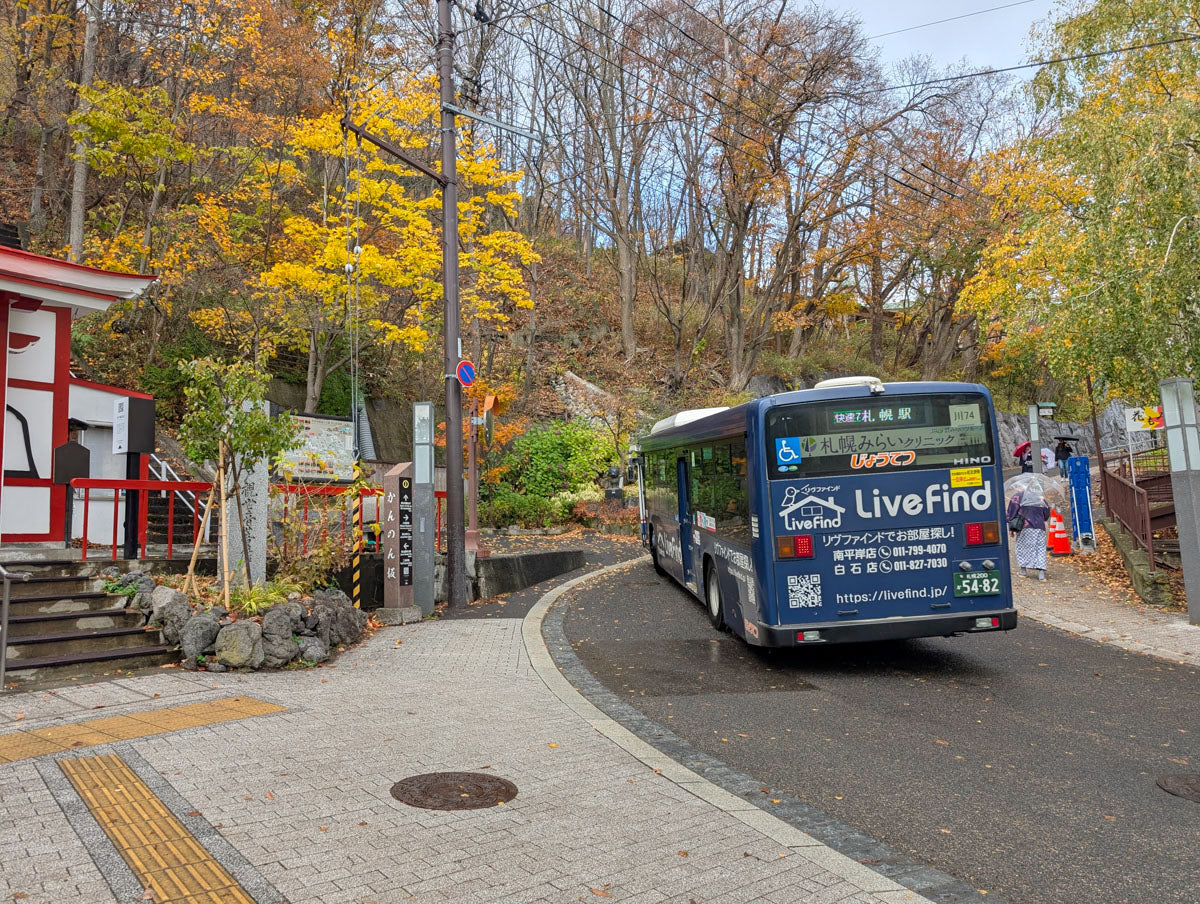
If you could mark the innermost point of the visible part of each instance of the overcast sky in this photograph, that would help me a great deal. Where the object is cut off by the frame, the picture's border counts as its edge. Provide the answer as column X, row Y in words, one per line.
column 992, row 39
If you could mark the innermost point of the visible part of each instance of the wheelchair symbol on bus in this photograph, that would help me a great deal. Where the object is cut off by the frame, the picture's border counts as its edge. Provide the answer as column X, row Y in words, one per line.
column 787, row 450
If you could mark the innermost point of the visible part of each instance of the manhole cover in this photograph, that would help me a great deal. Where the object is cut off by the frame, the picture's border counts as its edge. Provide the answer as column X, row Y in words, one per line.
column 454, row 791
column 1181, row 784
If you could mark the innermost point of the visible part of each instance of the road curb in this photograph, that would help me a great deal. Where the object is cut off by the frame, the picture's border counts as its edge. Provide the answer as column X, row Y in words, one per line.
column 776, row 829
column 1111, row 639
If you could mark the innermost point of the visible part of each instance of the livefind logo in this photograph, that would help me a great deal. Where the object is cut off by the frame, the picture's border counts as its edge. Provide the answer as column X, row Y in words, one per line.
column 809, row 512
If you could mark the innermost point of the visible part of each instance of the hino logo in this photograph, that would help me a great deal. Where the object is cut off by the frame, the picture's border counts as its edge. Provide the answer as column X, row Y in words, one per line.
column 938, row 496
column 977, row 460
column 809, row 512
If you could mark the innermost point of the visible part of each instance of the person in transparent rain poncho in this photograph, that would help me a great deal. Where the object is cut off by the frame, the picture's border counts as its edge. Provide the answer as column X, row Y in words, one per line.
column 1028, row 512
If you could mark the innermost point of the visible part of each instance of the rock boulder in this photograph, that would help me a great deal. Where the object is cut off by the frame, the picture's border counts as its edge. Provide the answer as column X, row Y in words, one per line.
column 279, row 638
column 198, row 633
column 240, row 646
column 313, row 649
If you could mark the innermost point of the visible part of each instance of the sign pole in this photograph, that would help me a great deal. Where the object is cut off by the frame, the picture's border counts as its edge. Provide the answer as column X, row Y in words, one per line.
column 1035, row 441
column 472, row 535
column 1183, row 452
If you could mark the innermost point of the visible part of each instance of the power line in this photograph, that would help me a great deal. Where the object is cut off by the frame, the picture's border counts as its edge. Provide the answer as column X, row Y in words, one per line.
column 992, row 9
column 708, row 49
column 1067, row 59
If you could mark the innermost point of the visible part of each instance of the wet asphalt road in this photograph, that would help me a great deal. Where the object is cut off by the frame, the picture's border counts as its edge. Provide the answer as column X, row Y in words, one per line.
column 1023, row 763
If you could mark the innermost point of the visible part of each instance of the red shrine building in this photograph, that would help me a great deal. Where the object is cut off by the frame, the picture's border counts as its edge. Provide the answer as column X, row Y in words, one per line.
column 44, row 401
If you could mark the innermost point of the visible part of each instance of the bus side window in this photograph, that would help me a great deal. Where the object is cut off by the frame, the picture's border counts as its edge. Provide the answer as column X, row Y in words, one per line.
column 734, row 514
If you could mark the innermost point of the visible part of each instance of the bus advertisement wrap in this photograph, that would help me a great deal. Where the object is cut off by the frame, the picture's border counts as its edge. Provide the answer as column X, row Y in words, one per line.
column 843, row 513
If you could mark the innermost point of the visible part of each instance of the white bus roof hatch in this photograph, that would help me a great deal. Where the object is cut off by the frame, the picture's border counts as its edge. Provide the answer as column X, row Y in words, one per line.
column 875, row 384
column 685, row 417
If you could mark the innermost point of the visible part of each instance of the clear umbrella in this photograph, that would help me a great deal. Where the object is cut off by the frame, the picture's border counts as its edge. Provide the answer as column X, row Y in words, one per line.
column 1036, row 489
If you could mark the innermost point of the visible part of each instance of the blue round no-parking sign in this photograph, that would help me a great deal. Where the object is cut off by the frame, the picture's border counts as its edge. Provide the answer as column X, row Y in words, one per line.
column 465, row 372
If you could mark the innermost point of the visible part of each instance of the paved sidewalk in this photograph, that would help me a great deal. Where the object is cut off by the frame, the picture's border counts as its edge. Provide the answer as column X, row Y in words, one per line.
column 1081, row 603
column 296, row 805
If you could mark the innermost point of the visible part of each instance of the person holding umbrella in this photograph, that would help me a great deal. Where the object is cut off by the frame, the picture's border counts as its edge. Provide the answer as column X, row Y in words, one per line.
column 1062, row 452
column 1027, row 515
column 1024, row 455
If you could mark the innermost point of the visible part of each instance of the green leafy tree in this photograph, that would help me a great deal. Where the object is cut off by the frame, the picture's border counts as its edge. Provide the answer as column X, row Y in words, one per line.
column 1096, row 258
column 226, row 421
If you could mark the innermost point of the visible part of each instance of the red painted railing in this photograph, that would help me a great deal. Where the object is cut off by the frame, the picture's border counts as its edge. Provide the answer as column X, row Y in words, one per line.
column 145, row 487
column 297, row 498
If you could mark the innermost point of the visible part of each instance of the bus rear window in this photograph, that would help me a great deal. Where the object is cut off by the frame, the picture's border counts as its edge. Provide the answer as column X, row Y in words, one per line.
column 856, row 436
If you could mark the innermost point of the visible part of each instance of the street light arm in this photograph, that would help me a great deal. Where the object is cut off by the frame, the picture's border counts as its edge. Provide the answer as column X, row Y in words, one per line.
column 384, row 144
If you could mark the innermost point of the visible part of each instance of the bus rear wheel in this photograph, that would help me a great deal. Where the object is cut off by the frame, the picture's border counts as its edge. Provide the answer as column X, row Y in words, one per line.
column 715, row 604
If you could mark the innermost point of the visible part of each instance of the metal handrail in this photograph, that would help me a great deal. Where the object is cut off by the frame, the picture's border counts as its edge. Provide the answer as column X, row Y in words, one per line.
column 7, row 577
column 167, row 473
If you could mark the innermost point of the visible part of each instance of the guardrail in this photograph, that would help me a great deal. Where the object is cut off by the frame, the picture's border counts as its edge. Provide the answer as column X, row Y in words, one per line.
column 297, row 499
column 1130, row 505
column 119, row 487
column 7, row 577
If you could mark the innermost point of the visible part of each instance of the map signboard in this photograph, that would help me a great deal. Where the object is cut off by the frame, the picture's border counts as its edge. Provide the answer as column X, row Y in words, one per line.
column 326, row 450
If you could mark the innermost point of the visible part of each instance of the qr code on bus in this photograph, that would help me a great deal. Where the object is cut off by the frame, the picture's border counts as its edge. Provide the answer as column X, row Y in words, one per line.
column 804, row 591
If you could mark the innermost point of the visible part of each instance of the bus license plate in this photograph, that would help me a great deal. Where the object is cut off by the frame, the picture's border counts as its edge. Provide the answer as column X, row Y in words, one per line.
column 976, row 583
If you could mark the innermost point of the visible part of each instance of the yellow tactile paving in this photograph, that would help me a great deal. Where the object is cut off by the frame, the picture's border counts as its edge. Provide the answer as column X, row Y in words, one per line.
column 159, row 849
column 22, row 745
column 78, row 734
column 220, row 896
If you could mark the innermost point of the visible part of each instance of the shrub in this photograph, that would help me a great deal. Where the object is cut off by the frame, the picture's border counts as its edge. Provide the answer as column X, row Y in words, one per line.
column 557, row 458
column 251, row 601
column 506, row 506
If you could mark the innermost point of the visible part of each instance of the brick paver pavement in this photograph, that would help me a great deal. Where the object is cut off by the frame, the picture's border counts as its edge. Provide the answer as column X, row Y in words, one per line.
column 303, row 795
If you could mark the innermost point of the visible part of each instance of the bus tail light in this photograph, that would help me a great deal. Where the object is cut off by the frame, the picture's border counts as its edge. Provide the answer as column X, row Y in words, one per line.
column 800, row 547
column 983, row 533
column 808, row 636
column 987, row 622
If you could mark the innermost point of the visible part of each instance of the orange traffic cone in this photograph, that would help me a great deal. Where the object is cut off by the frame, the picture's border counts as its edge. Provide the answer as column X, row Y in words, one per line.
column 1050, row 522
column 1061, row 539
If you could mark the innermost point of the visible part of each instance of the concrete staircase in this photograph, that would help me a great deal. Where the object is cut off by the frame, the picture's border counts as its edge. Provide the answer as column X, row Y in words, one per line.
column 62, row 624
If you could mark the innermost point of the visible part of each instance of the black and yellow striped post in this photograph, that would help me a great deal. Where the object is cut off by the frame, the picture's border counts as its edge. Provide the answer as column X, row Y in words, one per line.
column 356, row 588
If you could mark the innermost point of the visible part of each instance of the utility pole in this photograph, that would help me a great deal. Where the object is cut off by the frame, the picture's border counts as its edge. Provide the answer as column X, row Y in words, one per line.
column 448, row 180
column 455, row 528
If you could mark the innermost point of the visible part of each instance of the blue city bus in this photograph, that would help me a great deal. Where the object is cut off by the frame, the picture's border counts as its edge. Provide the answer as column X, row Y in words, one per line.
column 854, row 511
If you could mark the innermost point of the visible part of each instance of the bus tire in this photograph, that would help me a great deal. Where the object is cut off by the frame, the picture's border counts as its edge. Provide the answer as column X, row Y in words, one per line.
column 654, row 552
column 714, row 602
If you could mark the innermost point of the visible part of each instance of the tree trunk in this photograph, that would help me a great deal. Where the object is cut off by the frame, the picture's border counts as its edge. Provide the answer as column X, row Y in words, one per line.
column 37, row 211
column 315, row 380
column 87, row 72
column 529, row 350
column 627, row 281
